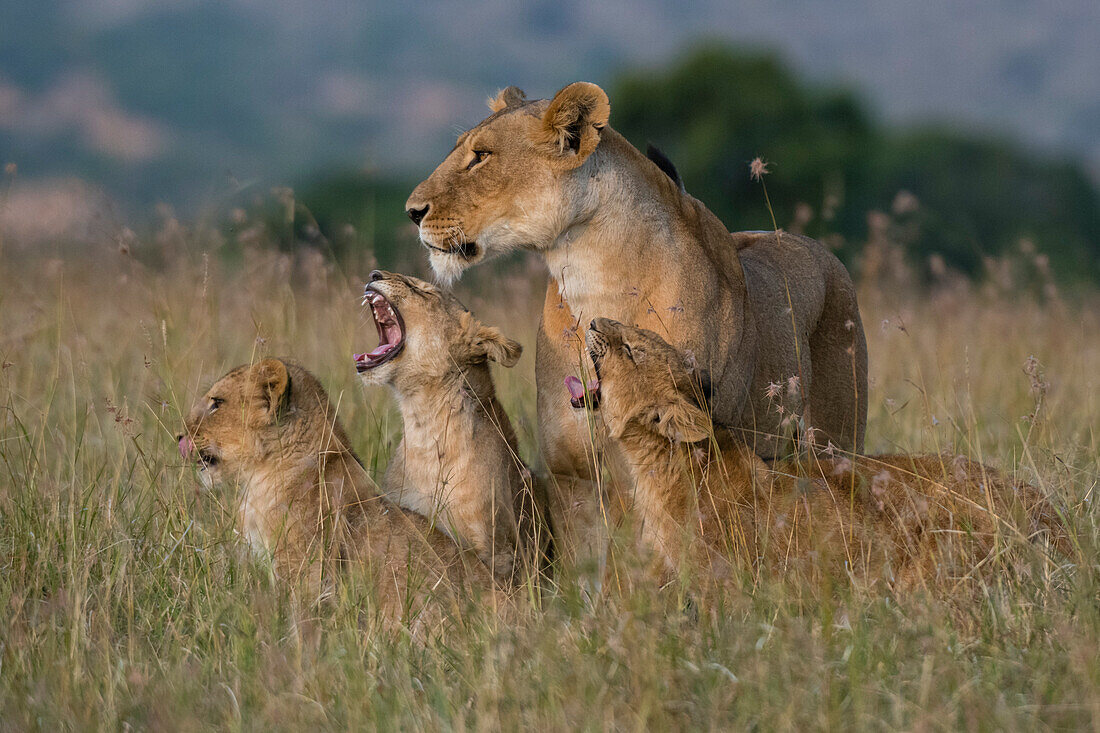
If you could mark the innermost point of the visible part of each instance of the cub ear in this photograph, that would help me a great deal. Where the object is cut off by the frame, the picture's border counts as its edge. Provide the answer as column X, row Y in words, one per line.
column 570, row 128
column 487, row 342
column 497, row 346
column 683, row 422
column 272, row 382
column 507, row 97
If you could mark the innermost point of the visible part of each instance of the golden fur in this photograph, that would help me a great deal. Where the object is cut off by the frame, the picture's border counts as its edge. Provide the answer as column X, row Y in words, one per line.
column 458, row 460
column 622, row 239
column 305, row 498
column 703, row 497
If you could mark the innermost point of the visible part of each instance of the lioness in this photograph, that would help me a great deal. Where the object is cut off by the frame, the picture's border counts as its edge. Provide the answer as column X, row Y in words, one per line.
column 458, row 460
column 705, row 498
column 306, row 499
column 623, row 240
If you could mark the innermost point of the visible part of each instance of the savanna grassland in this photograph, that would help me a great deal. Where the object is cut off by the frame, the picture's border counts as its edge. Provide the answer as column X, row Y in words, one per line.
column 127, row 599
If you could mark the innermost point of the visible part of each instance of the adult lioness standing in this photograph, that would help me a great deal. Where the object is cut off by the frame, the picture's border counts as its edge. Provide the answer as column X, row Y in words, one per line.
column 622, row 240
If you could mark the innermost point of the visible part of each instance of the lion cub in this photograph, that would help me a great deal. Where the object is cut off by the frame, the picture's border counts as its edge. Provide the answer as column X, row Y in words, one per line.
column 458, row 459
column 306, row 498
column 702, row 497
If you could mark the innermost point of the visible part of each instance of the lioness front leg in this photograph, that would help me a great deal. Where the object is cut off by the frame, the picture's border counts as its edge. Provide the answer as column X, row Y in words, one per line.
column 578, row 505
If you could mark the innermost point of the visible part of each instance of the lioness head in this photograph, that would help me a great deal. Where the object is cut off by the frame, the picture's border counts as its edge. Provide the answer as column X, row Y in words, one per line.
column 647, row 387
column 424, row 333
column 257, row 413
column 511, row 182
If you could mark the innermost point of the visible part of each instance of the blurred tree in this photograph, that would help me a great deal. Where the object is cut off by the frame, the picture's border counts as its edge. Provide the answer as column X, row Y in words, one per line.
column 983, row 196
column 374, row 209
column 717, row 109
column 958, row 195
column 344, row 214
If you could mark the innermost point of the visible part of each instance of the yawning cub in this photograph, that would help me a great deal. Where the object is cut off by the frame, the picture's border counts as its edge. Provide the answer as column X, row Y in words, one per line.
column 458, row 461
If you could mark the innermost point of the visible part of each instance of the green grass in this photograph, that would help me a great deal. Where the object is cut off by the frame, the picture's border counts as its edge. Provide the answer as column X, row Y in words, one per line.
column 127, row 599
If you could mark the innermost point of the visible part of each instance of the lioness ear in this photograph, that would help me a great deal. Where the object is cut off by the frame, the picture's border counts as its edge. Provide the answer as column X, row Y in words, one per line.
column 507, row 97
column 683, row 422
column 272, row 383
column 570, row 128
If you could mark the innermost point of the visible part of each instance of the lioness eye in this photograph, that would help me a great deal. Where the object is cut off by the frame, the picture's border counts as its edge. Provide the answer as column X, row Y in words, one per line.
column 479, row 157
column 215, row 403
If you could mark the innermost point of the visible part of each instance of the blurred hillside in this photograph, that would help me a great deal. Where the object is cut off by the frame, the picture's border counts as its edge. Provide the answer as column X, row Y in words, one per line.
column 951, row 199
column 976, row 129
column 182, row 100
column 959, row 195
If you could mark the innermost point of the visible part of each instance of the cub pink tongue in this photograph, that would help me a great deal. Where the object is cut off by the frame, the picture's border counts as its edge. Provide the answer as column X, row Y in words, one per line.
column 380, row 351
column 579, row 391
column 575, row 387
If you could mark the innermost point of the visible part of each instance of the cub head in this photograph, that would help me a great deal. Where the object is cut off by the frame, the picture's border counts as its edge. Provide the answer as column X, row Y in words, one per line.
column 253, row 411
column 424, row 333
column 647, row 387
column 510, row 181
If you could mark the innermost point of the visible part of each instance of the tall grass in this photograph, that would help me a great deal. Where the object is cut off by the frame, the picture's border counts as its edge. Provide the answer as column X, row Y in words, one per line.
column 126, row 598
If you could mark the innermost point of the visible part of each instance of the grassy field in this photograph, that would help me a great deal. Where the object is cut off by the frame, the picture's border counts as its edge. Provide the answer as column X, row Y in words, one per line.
column 126, row 599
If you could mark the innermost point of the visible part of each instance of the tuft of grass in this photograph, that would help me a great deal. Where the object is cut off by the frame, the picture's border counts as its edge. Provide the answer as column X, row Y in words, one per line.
column 128, row 599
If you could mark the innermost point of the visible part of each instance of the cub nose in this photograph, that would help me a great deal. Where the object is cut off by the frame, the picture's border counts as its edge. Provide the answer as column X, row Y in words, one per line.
column 376, row 275
column 602, row 325
column 417, row 215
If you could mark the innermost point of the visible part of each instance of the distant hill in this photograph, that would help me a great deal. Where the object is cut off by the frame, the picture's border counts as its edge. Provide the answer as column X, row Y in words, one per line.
column 960, row 196
column 948, row 197
column 187, row 100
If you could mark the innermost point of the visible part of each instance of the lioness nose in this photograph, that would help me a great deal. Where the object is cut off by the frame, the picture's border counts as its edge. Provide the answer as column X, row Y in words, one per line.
column 417, row 215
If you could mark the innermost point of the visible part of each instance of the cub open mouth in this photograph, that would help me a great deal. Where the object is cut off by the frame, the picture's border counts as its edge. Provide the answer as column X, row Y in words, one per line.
column 391, row 331
column 588, row 395
column 583, row 395
column 204, row 457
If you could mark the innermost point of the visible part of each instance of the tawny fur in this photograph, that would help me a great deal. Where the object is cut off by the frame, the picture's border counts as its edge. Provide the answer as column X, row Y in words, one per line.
column 306, row 499
column 707, row 503
column 622, row 240
column 458, row 461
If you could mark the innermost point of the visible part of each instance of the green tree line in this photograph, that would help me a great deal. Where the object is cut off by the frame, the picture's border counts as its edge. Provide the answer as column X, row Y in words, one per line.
column 964, row 194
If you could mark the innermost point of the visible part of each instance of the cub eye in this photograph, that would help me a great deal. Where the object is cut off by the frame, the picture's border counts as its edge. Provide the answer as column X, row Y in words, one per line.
column 479, row 157
column 628, row 351
column 215, row 403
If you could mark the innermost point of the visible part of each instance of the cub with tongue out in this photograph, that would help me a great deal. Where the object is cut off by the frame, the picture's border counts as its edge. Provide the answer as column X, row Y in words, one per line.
column 458, row 462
